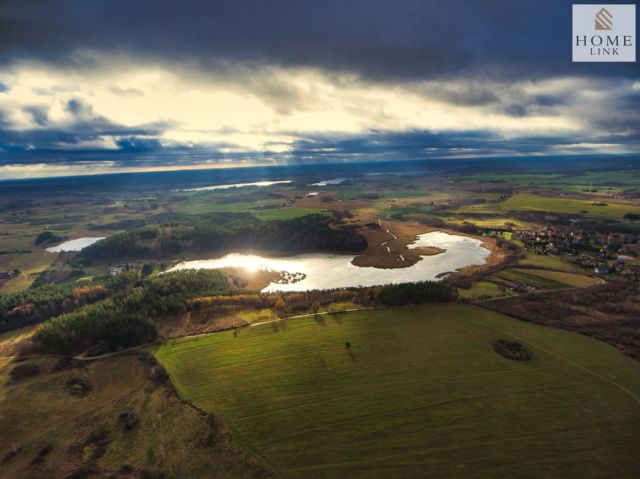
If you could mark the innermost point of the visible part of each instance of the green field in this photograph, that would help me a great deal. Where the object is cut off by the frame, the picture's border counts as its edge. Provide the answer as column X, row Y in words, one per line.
column 547, row 262
column 543, row 279
column 287, row 213
column 525, row 202
column 481, row 289
column 421, row 393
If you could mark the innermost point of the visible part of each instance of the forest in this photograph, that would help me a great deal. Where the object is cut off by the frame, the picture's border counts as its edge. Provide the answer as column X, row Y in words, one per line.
column 222, row 232
column 125, row 320
column 39, row 303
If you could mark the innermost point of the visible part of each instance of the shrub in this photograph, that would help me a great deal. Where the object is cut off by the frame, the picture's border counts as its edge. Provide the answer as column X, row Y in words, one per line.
column 159, row 374
column 23, row 371
column 78, row 387
column 128, row 420
column 511, row 350
column 47, row 237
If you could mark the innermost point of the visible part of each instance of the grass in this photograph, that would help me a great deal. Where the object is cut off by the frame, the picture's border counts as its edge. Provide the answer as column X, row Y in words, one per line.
column 481, row 289
column 30, row 266
column 528, row 202
column 421, row 393
column 256, row 316
column 10, row 339
column 547, row 262
column 542, row 279
column 572, row 280
column 38, row 410
column 501, row 222
column 287, row 213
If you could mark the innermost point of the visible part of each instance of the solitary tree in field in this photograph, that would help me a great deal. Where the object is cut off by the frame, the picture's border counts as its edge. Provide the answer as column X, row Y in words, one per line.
column 315, row 307
column 281, row 308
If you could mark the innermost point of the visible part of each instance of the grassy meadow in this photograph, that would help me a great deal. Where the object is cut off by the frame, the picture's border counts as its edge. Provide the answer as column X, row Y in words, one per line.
column 421, row 393
column 543, row 279
column 85, row 437
column 555, row 204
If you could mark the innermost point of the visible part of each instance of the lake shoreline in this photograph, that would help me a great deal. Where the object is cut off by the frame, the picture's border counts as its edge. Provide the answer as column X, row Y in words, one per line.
column 331, row 271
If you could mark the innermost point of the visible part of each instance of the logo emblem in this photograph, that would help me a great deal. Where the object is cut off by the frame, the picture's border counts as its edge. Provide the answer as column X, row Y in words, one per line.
column 604, row 33
column 604, row 20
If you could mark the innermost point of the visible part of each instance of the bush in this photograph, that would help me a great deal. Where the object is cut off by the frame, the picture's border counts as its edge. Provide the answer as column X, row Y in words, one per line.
column 47, row 237
column 159, row 374
column 78, row 387
column 511, row 350
column 43, row 452
column 128, row 420
column 23, row 371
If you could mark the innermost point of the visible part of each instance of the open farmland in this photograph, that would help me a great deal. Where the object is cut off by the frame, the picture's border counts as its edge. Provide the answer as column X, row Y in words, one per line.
column 543, row 279
column 420, row 393
column 554, row 204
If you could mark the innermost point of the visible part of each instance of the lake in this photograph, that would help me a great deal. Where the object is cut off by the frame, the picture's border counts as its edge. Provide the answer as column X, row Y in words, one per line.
column 260, row 184
column 75, row 245
column 335, row 181
column 328, row 271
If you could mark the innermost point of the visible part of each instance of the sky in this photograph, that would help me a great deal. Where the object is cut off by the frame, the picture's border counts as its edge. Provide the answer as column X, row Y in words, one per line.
column 101, row 86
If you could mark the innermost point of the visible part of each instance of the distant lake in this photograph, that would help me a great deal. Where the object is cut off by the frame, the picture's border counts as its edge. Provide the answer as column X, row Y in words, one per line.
column 75, row 245
column 236, row 185
column 335, row 181
column 328, row 271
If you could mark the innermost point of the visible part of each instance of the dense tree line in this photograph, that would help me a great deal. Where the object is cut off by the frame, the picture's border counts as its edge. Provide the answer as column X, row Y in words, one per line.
column 413, row 293
column 222, row 232
column 125, row 320
column 47, row 237
column 37, row 304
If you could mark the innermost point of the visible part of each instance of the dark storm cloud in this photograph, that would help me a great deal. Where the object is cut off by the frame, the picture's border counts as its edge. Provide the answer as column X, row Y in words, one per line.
column 92, row 128
column 382, row 39
column 423, row 145
column 527, row 105
column 626, row 120
column 472, row 62
column 133, row 151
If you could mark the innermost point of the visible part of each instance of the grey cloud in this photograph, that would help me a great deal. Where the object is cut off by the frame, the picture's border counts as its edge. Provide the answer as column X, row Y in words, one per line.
column 380, row 39
column 38, row 115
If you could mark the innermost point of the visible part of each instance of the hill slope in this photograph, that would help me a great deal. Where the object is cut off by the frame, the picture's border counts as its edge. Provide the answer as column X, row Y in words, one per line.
column 421, row 393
